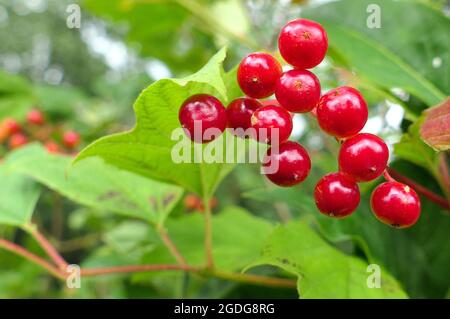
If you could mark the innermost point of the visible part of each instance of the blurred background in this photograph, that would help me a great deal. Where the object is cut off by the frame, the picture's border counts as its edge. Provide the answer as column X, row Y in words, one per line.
column 86, row 79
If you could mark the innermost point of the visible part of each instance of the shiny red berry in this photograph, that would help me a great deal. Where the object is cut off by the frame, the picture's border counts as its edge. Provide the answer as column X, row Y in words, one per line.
column 363, row 157
column 395, row 204
column 203, row 118
column 239, row 113
column 336, row 195
column 11, row 126
column 71, row 139
column 272, row 124
column 303, row 43
column 258, row 73
column 298, row 91
column 342, row 112
column 35, row 117
column 17, row 140
column 288, row 165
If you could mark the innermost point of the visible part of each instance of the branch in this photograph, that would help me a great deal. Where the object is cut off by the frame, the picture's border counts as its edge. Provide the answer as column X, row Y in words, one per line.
column 47, row 247
column 242, row 278
column 60, row 274
column 20, row 251
column 171, row 246
column 441, row 201
column 134, row 269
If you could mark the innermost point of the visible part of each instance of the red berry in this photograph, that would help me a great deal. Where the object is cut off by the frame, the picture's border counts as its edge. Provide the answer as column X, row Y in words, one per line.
column 239, row 113
column 258, row 74
column 287, row 166
column 35, row 117
column 192, row 202
column 272, row 124
column 336, row 195
column 17, row 140
column 52, row 147
column 303, row 43
column 200, row 114
column 395, row 204
column 342, row 112
column 363, row 157
column 298, row 91
column 71, row 139
column 11, row 126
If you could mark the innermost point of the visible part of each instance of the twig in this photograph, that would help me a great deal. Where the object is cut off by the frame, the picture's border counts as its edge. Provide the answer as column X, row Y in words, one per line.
column 47, row 247
column 133, row 269
column 171, row 246
column 60, row 274
column 441, row 201
column 20, row 251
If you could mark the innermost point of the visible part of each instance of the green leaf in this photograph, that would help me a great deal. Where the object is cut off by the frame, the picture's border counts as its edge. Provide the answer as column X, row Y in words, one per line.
column 18, row 197
column 323, row 271
column 412, row 148
column 94, row 183
column 128, row 236
column 398, row 54
column 238, row 238
column 147, row 149
column 435, row 129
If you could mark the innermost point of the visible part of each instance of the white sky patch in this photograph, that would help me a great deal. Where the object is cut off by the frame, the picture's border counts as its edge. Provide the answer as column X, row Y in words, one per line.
column 437, row 62
column 157, row 70
column 394, row 115
column 374, row 125
column 299, row 126
column 115, row 53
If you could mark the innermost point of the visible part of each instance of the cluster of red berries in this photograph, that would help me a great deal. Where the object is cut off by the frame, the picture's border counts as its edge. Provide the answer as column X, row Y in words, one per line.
column 341, row 112
column 36, row 128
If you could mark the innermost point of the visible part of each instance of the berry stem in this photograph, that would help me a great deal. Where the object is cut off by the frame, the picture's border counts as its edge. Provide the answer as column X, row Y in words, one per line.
column 47, row 247
column 387, row 176
column 20, row 251
column 171, row 245
column 441, row 201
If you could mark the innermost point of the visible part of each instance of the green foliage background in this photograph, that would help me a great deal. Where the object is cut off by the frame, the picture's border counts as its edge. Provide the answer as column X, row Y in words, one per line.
column 109, row 206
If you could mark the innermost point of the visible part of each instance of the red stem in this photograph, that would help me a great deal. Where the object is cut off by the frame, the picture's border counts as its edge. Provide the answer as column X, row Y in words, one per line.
column 18, row 250
column 171, row 246
column 134, row 268
column 48, row 248
column 441, row 201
